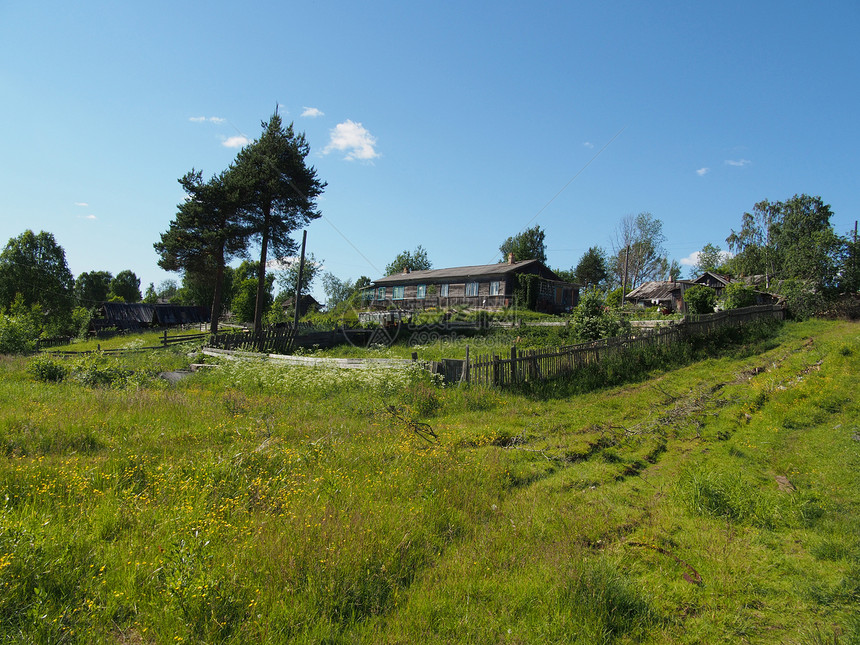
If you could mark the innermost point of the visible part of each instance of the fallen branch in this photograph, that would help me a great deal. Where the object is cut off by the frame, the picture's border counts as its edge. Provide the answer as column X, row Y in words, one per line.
column 423, row 430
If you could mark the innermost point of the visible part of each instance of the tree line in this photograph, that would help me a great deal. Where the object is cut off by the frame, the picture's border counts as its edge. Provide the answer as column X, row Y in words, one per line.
column 269, row 192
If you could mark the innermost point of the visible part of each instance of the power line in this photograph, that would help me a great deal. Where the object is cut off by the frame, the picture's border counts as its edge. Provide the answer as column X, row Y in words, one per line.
column 570, row 181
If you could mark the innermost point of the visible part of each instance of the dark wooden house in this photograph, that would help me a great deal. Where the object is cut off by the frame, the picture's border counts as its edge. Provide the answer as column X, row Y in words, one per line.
column 666, row 294
column 486, row 286
column 139, row 315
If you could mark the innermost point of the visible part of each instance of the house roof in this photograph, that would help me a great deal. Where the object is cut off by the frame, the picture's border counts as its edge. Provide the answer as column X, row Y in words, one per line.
column 462, row 274
column 128, row 312
column 660, row 290
column 724, row 279
column 137, row 313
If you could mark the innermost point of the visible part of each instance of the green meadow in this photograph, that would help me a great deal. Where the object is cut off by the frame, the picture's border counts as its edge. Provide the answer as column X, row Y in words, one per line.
column 713, row 496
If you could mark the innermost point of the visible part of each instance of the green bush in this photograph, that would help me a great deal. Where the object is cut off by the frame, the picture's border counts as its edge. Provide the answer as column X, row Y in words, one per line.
column 615, row 297
column 96, row 370
column 700, row 299
column 20, row 326
column 593, row 320
column 16, row 336
column 801, row 299
column 48, row 369
column 737, row 295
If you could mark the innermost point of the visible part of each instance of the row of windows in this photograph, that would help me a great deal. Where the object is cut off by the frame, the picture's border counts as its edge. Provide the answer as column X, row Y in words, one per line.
column 398, row 293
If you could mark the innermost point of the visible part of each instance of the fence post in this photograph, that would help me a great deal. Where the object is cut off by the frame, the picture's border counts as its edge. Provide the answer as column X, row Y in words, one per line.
column 466, row 366
column 514, row 364
column 496, row 371
column 165, row 338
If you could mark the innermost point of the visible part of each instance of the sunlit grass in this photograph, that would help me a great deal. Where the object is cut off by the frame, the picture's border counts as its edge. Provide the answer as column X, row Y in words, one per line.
column 263, row 503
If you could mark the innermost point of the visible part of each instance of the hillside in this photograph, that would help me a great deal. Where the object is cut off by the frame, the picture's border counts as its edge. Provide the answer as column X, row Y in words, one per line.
column 715, row 503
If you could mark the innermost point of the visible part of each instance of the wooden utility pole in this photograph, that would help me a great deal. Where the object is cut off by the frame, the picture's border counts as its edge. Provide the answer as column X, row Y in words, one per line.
column 299, row 286
column 624, row 282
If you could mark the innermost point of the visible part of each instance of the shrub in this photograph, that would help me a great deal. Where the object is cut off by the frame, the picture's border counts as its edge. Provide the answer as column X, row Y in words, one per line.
column 802, row 299
column 96, row 370
column 700, row 299
column 47, row 369
column 738, row 295
column 615, row 297
column 592, row 320
column 16, row 337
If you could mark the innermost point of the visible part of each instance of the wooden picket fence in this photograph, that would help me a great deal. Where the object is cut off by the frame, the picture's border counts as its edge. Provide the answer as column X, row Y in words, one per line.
column 535, row 365
column 272, row 340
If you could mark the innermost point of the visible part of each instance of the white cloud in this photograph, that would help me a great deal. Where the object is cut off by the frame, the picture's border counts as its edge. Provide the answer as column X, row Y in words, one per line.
column 354, row 139
column 588, row 144
column 693, row 258
column 703, row 171
column 738, row 163
column 312, row 112
column 207, row 119
column 690, row 260
column 87, row 217
column 82, row 204
column 237, row 141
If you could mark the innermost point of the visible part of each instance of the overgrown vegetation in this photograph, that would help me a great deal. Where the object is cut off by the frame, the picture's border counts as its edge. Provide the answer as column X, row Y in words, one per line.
column 715, row 502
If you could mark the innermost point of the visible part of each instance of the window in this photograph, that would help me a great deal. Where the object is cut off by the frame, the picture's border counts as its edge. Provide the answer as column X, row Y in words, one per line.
column 471, row 289
column 422, row 291
column 397, row 293
column 443, row 290
column 380, row 293
column 495, row 288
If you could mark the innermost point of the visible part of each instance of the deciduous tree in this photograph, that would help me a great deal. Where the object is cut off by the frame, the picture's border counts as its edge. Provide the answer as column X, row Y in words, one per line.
column 126, row 285
column 786, row 241
column 92, row 287
column 638, row 254
column 336, row 290
column 414, row 261
column 710, row 258
column 34, row 266
column 528, row 245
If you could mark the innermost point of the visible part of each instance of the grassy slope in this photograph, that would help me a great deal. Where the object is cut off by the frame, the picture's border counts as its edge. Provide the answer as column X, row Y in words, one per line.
column 258, row 506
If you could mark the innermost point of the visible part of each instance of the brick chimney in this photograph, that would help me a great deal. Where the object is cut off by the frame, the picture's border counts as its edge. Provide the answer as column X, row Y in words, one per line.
column 405, row 270
column 511, row 257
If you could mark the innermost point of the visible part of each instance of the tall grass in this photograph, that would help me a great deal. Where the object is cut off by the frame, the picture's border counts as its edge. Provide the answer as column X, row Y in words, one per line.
column 261, row 503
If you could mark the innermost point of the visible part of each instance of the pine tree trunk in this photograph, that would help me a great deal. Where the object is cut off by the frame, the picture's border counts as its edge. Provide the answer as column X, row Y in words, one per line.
column 216, row 297
column 261, row 271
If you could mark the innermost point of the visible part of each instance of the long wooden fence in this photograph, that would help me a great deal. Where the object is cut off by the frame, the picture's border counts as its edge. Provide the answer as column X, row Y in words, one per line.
column 535, row 365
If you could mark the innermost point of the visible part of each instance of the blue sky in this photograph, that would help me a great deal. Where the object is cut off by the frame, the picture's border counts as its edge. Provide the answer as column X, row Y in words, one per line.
column 448, row 124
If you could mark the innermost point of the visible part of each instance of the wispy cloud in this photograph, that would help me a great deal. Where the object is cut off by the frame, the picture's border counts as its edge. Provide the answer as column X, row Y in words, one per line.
column 82, row 204
column 207, row 119
column 354, row 139
column 588, row 144
column 312, row 112
column 237, row 141
column 703, row 171
column 739, row 162
column 90, row 217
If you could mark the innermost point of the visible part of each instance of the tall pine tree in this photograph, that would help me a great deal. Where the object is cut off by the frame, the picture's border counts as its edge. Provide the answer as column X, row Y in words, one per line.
column 279, row 193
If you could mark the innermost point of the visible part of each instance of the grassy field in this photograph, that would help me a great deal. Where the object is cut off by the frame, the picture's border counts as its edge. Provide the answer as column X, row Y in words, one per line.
column 716, row 502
